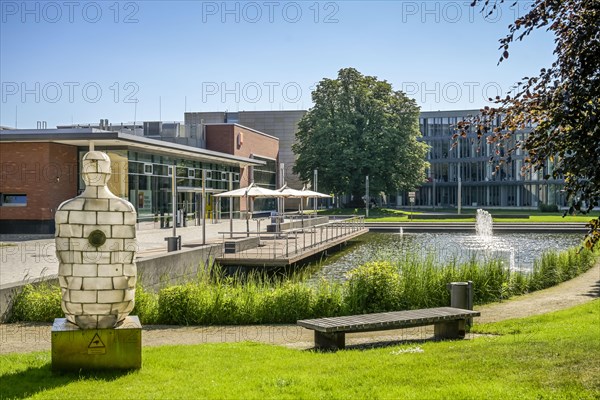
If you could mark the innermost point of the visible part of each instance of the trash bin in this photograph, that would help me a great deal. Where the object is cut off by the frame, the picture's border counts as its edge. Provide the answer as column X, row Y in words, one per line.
column 173, row 243
column 461, row 295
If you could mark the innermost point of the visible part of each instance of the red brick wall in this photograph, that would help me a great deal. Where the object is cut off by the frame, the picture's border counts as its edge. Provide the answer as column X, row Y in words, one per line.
column 220, row 138
column 224, row 138
column 45, row 172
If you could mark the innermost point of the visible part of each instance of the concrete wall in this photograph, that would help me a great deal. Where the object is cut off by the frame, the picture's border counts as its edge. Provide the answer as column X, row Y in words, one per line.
column 175, row 267
column 153, row 272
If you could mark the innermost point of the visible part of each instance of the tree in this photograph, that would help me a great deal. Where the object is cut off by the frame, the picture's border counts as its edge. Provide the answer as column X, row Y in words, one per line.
column 359, row 126
column 561, row 104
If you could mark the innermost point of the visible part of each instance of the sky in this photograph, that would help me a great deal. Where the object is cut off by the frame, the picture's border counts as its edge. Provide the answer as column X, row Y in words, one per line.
column 64, row 62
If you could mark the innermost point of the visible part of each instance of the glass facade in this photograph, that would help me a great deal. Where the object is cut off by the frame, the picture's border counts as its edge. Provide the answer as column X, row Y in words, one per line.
column 481, row 183
column 265, row 176
column 145, row 179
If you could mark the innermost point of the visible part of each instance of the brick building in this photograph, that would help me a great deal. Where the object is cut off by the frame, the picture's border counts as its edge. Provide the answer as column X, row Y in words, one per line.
column 40, row 168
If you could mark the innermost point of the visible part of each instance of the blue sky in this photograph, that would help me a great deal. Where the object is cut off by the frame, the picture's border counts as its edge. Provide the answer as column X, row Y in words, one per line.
column 64, row 62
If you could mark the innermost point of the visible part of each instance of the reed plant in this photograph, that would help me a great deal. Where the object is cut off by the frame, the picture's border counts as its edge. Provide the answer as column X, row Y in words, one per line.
column 413, row 282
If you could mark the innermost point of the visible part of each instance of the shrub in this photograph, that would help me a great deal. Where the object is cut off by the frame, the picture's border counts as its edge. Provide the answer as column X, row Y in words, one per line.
column 549, row 208
column 327, row 299
column 146, row 306
column 40, row 303
column 373, row 287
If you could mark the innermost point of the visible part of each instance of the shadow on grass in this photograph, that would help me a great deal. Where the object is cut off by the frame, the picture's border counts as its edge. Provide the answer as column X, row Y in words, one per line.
column 27, row 383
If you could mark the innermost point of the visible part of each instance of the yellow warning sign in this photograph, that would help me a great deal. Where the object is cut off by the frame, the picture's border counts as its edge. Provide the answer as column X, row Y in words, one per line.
column 96, row 346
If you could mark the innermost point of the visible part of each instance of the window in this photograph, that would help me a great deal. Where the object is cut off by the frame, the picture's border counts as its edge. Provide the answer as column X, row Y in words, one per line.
column 191, row 173
column 13, row 200
column 148, row 169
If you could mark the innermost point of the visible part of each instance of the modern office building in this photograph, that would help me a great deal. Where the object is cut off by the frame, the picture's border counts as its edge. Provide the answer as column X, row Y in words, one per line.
column 40, row 168
column 466, row 166
column 467, row 162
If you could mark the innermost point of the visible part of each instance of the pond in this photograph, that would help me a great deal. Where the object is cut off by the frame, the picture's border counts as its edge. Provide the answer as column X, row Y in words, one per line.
column 517, row 251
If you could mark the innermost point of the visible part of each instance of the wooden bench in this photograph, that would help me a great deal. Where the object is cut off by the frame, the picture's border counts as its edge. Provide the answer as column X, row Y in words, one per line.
column 330, row 333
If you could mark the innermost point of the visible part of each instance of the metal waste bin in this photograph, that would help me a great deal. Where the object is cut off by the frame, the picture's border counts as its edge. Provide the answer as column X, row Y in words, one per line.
column 461, row 296
column 173, row 243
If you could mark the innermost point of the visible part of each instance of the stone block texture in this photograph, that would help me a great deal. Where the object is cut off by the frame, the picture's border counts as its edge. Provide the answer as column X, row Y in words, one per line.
column 96, row 245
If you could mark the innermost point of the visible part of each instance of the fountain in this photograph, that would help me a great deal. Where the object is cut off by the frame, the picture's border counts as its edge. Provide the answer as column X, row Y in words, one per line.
column 484, row 224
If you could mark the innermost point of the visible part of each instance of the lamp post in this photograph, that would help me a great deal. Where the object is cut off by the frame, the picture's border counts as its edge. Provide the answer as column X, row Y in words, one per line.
column 315, row 183
column 367, row 196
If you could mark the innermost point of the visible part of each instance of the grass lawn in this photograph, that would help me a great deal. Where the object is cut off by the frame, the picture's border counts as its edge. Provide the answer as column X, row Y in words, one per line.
column 468, row 215
column 550, row 356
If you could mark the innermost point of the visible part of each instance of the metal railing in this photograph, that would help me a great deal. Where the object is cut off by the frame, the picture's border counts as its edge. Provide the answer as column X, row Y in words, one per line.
column 291, row 242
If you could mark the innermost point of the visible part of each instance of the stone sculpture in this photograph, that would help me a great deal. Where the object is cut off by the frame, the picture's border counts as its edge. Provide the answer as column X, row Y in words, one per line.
column 95, row 246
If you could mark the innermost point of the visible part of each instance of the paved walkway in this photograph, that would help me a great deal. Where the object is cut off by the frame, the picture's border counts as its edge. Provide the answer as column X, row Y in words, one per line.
column 24, row 338
column 24, row 257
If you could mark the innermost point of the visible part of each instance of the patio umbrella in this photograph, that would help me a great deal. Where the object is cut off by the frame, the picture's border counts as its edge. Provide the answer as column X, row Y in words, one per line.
column 292, row 193
column 315, row 195
column 250, row 192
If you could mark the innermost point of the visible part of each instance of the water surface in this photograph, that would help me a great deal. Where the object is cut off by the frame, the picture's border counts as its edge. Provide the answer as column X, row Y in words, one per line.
column 516, row 250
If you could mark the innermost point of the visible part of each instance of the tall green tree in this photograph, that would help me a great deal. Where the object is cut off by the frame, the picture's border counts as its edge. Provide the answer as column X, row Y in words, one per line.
column 360, row 126
column 561, row 103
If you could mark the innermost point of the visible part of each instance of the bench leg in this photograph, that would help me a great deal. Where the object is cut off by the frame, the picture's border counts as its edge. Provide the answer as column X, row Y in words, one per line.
column 330, row 341
column 450, row 329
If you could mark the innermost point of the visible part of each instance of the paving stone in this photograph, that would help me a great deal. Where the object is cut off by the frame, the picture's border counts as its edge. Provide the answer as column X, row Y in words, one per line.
column 129, row 269
column 69, row 257
column 74, row 282
column 112, row 245
column 72, row 308
column 82, row 217
column 96, row 205
column 65, row 269
column 96, row 309
column 120, row 205
column 62, row 243
column 80, row 244
column 131, row 245
column 123, row 231
column 122, row 257
column 61, row 217
column 110, row 270
column 85, row 270
column 83, row 296
column 67, row 231
column 73, row 204
column 110, row 218
column 129, row 218
column 97, row 283
column 129, row 294
column 120, row 282
column 120, row 308
column 110, row 296
column 97, row 257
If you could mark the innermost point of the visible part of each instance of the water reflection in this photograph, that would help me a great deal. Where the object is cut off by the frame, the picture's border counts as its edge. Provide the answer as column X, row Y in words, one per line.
column 517, row 251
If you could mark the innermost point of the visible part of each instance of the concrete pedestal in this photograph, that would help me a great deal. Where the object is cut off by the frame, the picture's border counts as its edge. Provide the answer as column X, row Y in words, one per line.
column 92, row 349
